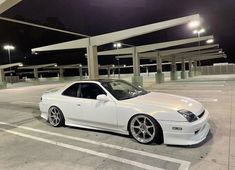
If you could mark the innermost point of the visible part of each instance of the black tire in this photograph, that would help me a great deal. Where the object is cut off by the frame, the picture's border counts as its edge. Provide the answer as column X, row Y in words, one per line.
column 151, row 126
column 55, row 117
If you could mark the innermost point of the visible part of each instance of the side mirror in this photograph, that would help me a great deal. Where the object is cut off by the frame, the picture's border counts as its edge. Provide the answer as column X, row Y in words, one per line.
column 102, row 97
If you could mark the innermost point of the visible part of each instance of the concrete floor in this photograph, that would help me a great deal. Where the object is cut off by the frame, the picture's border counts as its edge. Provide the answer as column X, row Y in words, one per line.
column 27, row 141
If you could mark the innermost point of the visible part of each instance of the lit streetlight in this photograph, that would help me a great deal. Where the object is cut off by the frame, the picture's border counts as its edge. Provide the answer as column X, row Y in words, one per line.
column 9, row 48
column 199, row 32
column 118, row 45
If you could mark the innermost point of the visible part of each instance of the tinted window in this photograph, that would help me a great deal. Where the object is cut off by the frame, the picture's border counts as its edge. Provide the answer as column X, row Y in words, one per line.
column 72, row 91
column 90, row 90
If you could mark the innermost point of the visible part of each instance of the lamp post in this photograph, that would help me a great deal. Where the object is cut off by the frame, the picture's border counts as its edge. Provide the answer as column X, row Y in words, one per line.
column 199, row 32
column 9, row 48
column 118, row 45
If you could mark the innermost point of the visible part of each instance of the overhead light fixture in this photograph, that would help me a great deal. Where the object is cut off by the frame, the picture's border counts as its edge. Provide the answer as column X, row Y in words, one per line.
column 194, row 24
column 55, row 65
column 117, row 45
column 202, row 30
column 8, row 47
column 210, row 41
column 21, row 65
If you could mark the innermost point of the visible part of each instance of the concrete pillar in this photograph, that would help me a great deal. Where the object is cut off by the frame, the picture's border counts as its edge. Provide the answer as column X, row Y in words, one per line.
column 2, row 79
column 159, row 76
column 199, row 68
column 108, row 72
column 174, row 75
column 190, row 73
column 195, row 68
column 136, row 79
column 61, row 72
column 183, row 73
column 113, row 72
column 92, row 60
column 147, row 71
column 80, row 72
column 2, row 76
column 35, row 73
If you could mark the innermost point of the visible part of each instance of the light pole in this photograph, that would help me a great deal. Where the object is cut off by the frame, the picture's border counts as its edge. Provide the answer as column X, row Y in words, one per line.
column 118, row 45
column 199, row 32
column 9, row 48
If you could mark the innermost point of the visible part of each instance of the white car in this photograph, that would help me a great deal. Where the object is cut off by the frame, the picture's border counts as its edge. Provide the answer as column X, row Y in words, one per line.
column 117, row 106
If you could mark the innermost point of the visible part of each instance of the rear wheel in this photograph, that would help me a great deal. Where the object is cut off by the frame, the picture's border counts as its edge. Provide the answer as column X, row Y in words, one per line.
column 55, row 117
column 144, row 129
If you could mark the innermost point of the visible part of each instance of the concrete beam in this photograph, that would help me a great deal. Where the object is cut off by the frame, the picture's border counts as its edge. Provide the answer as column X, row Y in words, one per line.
column 37, row 66
column 7, row 4
column 132, row 32
column 195, row 54
column 157, row 46
column 151, row 55
column 151, row 47
column 118, row 35
column 5, row 66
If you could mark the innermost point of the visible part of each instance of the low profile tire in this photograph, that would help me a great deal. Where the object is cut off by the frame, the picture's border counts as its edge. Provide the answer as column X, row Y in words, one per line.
column 55, row 117
column 144, row 129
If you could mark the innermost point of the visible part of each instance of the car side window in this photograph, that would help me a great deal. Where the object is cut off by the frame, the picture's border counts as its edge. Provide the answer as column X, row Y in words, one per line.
column 72, row 91
column 90, row 90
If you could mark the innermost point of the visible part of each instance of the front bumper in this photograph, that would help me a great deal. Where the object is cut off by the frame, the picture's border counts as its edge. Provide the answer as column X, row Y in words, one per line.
column 186, row 133
column 44, row 110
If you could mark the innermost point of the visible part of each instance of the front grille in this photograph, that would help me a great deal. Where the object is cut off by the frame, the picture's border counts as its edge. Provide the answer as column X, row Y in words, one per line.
column 199, row 116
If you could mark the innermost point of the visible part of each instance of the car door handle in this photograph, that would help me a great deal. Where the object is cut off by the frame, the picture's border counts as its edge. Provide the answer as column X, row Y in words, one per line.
column 78, row 104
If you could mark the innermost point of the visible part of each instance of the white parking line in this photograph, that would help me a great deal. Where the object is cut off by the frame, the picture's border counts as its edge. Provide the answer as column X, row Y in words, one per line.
column 22, row 102
column 188, row 90
column 210, row 85
column 206, row 99
column 100, row 154
column 184, row 165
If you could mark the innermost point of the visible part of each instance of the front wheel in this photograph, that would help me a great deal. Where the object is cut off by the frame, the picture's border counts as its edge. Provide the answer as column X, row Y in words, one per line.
column 144, row 129
column 55, row 117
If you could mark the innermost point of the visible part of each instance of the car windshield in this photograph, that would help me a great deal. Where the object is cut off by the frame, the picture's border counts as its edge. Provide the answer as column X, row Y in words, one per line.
column 123, row 90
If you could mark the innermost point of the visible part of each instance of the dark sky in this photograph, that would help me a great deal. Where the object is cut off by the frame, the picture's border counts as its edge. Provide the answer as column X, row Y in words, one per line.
column 93, row 17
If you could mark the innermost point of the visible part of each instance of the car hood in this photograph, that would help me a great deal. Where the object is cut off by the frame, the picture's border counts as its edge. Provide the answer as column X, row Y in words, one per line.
column 168, row 101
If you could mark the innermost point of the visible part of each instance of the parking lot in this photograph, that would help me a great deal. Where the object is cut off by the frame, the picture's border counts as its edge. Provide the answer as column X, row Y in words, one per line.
column 29, row 142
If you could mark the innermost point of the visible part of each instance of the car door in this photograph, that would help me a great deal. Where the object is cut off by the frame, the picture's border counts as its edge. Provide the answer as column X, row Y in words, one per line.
column 70, row 104
column 97, row 113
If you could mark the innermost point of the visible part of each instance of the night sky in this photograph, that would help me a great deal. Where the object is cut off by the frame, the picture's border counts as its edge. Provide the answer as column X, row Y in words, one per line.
column 94, row 17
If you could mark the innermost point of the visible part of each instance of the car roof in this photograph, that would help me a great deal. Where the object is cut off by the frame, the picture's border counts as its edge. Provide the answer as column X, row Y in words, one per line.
column 99, row 80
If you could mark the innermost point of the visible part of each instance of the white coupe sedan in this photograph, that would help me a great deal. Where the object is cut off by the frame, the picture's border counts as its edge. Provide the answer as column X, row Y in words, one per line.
column 117, row 106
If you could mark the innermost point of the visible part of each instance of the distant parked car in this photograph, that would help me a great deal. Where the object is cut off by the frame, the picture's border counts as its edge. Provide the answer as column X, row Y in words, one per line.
column 117, row 106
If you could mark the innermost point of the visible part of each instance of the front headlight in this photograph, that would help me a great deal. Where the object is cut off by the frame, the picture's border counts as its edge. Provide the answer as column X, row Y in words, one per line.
column 188, row 115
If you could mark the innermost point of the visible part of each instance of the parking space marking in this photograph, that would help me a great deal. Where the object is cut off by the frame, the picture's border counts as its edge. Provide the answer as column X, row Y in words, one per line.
column 22, row 102
column 206, row 99
column 88, row 151
column 188, row 90
column 204, row 85
column 184, row 165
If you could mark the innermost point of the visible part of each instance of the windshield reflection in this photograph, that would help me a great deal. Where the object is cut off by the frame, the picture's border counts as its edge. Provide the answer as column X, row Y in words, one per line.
column 123, row 90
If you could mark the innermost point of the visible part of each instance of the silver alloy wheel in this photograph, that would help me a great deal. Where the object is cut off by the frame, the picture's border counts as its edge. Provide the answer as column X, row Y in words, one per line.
column 142, row 129
column 54, row 116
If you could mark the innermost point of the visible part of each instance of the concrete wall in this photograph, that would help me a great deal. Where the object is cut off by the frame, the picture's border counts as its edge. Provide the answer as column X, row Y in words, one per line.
column 218, row 69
